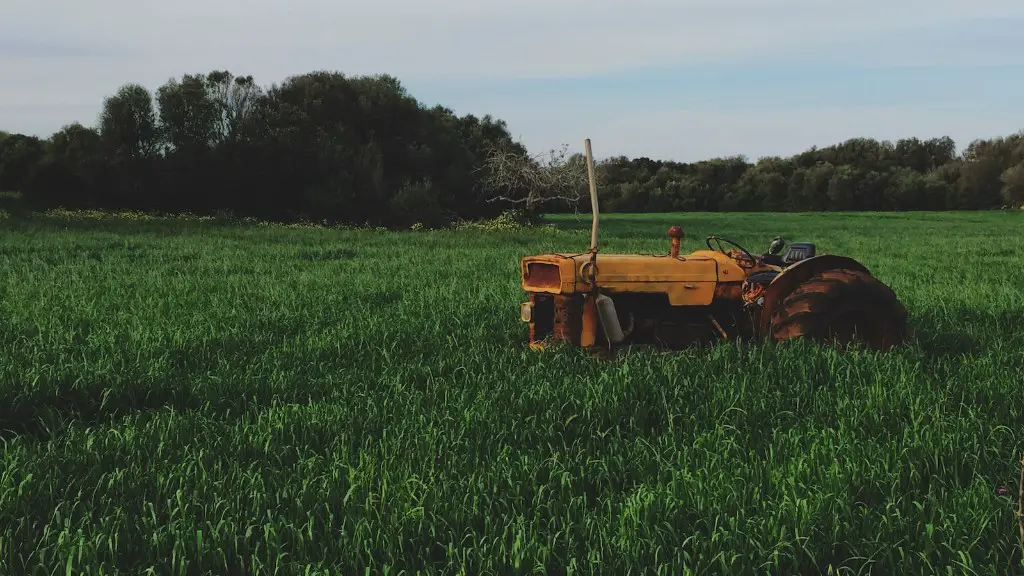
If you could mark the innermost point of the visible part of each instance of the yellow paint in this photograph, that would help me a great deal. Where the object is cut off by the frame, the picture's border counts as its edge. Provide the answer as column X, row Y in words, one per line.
column 688, row 280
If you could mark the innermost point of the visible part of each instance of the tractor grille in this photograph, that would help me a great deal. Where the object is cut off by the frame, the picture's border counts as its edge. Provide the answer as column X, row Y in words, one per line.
column 542, row 275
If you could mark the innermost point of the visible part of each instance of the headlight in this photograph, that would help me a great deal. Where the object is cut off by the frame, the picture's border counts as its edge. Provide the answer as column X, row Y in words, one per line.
column 526, row 312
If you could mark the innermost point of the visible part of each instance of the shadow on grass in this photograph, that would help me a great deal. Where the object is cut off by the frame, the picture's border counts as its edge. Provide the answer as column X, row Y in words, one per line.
column 47, row 415
column 44, row 415
column 44, row 410
column 966, row 332
column 327, row 255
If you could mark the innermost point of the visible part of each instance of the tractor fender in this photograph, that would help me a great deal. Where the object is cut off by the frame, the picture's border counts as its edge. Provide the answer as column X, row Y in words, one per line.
column 791, row 277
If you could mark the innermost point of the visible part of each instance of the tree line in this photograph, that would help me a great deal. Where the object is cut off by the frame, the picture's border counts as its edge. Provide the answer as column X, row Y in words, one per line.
column 321, row 146
column 325, row 146
column 858, row 174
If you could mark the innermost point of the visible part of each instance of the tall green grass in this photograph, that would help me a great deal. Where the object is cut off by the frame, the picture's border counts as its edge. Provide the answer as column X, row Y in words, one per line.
column 183, row 397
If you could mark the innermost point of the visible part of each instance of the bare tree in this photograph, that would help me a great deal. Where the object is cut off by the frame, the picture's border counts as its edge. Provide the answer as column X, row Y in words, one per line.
column 236, row 98
column 555, row 176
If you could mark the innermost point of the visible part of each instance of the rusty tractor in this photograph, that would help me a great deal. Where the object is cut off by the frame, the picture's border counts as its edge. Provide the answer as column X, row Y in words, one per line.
column 716, row 294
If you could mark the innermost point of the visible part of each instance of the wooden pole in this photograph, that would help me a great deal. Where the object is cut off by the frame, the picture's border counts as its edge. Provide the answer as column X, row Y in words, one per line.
column 593, row 195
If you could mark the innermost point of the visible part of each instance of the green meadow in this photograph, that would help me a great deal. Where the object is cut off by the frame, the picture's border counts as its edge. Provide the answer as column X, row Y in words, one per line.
column 184, row 396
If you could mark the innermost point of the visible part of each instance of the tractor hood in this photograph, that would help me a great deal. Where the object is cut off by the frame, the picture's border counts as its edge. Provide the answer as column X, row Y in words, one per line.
column 681, row 278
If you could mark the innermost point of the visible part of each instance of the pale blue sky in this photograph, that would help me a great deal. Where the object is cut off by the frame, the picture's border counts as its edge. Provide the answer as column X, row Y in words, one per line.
column 682, row 79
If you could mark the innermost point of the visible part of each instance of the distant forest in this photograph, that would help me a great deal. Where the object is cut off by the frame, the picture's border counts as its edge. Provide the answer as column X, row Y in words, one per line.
column 326, row 146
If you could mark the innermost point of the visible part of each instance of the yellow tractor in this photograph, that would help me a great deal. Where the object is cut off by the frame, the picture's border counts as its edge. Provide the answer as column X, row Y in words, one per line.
column 721, row 293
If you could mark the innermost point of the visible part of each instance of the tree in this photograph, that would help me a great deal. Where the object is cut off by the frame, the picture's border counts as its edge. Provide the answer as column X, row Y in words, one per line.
column 130, row 138
column 19, row 158
column 70, row 173
column 237, row 100
column 189, row 121
column 128, row 124
column 1013, row 185
column 189, row 117
column 815, row 186
column 532, row 181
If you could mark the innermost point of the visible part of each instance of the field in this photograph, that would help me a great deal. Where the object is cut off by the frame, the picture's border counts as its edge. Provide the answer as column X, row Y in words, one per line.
column 194, row 397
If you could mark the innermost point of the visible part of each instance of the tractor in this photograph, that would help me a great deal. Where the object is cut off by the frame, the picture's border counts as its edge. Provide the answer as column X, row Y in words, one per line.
column 717, row 294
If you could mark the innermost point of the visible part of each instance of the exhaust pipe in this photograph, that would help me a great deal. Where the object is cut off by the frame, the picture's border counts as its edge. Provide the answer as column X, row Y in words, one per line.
column 609, row 319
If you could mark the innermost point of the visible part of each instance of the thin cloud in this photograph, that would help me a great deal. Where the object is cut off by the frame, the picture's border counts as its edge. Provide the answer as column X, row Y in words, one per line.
column 692, row 135
column 17, row 47
column 465, row 45
column 472, row 38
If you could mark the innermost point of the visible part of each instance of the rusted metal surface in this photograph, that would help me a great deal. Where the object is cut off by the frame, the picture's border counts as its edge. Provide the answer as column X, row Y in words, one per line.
column 567, row 314
column 542, row 317
column 729, row 291
column 561, row 327
column 542, row 275
column 676, row 234
column 718, row 327
column 533, row 320
column 842, row 306
column 752, row 294
column 588, row 324
column 786, row 282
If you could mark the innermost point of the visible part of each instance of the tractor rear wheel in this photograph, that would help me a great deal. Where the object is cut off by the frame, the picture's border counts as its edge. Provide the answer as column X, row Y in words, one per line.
column 843, row 306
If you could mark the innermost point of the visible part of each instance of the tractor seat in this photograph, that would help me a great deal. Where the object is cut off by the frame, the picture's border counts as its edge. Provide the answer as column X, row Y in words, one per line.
column 798, row 251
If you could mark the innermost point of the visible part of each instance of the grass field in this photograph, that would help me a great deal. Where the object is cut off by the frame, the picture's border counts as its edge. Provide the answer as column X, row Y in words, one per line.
column 201, row 398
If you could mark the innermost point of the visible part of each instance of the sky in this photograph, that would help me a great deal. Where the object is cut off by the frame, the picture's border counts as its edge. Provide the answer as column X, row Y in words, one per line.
column 670, row 79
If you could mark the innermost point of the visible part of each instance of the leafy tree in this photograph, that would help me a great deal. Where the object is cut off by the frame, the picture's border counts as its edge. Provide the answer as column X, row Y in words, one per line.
column 189, row 120
column 131, row 145
column 128, row 124
column 19, row 157
column 1013, row 185
column 361, row 149
column 71, row 171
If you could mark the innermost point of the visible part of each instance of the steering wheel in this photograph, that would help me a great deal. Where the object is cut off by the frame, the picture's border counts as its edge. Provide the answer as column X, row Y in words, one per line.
column 718, row 240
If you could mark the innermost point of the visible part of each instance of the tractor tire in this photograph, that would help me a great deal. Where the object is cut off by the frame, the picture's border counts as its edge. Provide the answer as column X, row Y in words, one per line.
column 845, row 307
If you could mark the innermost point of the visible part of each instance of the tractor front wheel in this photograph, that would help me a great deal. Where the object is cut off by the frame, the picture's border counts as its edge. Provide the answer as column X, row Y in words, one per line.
column 845, row 307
